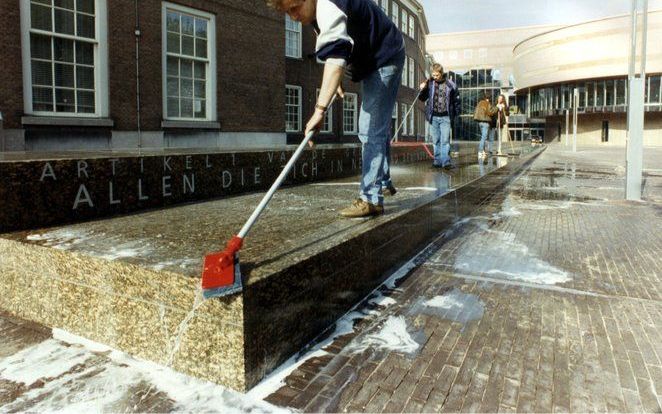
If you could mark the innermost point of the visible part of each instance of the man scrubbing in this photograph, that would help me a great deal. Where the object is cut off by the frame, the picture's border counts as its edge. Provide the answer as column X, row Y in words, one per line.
column 356, row 36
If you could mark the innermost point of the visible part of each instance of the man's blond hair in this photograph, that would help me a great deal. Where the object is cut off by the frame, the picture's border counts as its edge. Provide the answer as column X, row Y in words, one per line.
column 436, row 67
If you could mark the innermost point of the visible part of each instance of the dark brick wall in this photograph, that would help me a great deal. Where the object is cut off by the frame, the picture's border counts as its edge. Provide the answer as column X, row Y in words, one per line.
column 249, row 59
column 11, row 75
column 250, row 64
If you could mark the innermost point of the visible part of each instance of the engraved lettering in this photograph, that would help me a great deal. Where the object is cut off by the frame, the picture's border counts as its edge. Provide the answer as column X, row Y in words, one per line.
column 47, row 172
column 82, row 168
column 141, row 197
column 111, row 195
column 227, row 179
column 166, row 186
column 113, row 162
column 189, row 184
column 83, row 196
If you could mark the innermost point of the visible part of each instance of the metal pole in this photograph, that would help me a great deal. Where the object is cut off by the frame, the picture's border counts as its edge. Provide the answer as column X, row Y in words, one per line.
column 567, row 127
column 635, row 134
column 575, row 104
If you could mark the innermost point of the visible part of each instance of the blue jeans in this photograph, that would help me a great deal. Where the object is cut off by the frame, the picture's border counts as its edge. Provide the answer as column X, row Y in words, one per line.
column 379, row 90
column 440, row 129
column 485, row 133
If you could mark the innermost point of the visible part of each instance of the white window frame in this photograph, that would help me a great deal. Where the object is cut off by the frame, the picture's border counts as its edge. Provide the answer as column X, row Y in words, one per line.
column 300, row 93
column 210, row 92
column 412, row 71
column 404, row 77
column 299, row 34
column 328, row 117
column 355, row 98
column 403, row 110
column 100, row 63
column 384, row 5
column 412, row 26
column 395, row 14
column 403, row 20
column 410, row 121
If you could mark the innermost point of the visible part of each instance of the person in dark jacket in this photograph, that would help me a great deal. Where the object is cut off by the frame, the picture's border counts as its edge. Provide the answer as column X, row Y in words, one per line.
column 356, row 36
column 441, row 109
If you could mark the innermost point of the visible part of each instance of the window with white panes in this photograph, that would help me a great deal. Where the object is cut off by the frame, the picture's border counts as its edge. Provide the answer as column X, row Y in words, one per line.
column 189, row 63
column 410, row 120
column 403, row 21
column 412, row 72
column 327, row 125
column 404, row 77
column 292, row 38
column 349, row 113
column 384, row 5
column 403, row 111
column 64, row 49
column 412, row 26
column 292, row 108
column 395, row 14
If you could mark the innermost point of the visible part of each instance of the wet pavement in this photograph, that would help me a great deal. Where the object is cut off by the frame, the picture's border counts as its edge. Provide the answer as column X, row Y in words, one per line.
column 547, row 299
column 299, row 222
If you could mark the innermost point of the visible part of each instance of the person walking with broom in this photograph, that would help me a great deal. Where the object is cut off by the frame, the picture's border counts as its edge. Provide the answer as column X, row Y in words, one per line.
column 442, row 106
column 357, row 37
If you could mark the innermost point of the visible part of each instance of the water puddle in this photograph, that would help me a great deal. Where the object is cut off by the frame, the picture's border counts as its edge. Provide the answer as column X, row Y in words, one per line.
column 499, row 254
column 454, row 305
column 72, row 374
column 112, row 248
column 392, row 336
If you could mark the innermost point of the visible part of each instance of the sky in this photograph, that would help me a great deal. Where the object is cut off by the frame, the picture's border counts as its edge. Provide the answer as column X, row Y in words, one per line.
column 446, row 16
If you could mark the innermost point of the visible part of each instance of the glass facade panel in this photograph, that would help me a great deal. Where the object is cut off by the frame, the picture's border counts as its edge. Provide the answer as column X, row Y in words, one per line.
column 654, row 90
column 599, row 93
column 609, row 93
column 590, row 94
column 621, row 92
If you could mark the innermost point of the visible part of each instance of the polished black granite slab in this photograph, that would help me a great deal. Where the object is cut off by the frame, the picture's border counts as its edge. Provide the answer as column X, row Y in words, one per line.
column 73, row 187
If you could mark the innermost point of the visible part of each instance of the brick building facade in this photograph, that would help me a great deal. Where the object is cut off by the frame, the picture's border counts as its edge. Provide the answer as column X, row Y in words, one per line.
column 95, row 74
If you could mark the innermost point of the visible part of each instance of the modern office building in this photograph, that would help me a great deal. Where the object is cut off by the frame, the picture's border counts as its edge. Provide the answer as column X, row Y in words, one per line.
column 540, row 67
column 99, row 75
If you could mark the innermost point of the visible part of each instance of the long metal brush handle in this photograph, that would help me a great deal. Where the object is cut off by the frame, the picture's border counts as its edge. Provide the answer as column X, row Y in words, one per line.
column 404, row 119
column 267, row 197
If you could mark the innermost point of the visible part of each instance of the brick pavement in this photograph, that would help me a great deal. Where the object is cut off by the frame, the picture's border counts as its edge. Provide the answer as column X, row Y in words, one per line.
column 548, row 299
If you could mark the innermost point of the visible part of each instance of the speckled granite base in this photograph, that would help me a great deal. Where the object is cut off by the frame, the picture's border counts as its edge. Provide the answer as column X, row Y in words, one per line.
column 125, row 306
column 131, row 281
